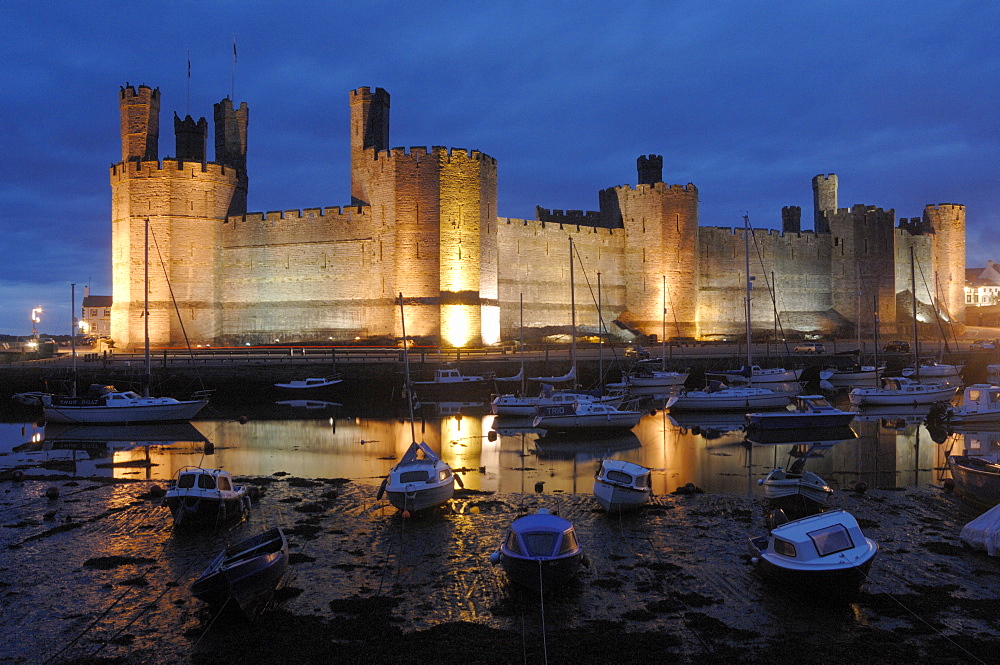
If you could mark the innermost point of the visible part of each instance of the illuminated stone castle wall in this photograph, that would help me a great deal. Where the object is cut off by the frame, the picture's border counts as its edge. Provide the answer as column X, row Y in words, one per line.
column 424, row 222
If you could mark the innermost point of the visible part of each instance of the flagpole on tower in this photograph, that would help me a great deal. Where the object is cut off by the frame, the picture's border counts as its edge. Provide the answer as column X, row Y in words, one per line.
column 188, row 112
column 233, row 84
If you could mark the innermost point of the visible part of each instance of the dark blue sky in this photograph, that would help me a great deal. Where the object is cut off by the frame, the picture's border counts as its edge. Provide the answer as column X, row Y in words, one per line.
column 746, row 100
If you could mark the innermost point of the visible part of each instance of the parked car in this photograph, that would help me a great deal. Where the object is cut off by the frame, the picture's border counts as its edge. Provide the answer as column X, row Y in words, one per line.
column 984, row 345
column 897, row 346
column 636, row 351
column 810, row 347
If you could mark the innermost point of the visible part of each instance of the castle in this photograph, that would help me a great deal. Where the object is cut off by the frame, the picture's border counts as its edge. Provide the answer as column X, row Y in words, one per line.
column 424, row 223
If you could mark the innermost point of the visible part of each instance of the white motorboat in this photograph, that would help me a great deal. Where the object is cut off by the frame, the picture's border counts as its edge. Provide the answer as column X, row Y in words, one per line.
column 855, row 375
column 312, row 383
column 825, row 556
column 781, row 483
column 980, row 403
column 719, row 397
column 420, row 480
column 585, row 416
column 621, row 485
column 934, row 370
column 540, row 551
column 642, row 377
column 516, row 405
column 105, row 405
column 757, row 374
column 902, row 391
column 811, row 412
column 449, row 381
column 198, row 495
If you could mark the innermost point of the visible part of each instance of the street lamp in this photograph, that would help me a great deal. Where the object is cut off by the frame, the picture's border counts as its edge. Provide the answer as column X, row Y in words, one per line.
column 36, row 318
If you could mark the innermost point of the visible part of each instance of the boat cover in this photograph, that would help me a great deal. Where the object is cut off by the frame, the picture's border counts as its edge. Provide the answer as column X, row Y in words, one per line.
column 983, row 533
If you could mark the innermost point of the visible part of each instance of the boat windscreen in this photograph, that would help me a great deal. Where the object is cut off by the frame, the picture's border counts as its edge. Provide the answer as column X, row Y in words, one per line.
column 619, row 477
column 568, row 543
column 540, row 543
column 831, row 539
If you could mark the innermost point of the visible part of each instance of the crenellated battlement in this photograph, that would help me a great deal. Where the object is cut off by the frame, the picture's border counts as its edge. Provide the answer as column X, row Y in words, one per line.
column 171, row 168
column 658, row 187
column 144, row 95
column 331, row 214
column 954, row 207
column 578, row 217
column 416, row 153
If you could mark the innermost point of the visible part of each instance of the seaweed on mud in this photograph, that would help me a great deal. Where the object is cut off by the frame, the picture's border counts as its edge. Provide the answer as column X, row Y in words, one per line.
column 717, row 629
column 606, row 583
column 110, row 562
column 946, row 549
column 638, row 615
column 299, row 557
column 310, row 508
column 302, row 482
column 307, row 531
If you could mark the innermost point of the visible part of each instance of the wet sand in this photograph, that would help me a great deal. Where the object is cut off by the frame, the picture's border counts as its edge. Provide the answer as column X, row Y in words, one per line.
column 99, row 575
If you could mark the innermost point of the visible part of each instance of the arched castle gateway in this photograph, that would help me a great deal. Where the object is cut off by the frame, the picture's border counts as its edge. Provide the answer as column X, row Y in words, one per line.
column 424, row 222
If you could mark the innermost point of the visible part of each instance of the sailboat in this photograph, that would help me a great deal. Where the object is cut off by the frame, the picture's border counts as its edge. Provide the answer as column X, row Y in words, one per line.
column 103, row 404
column 421, row 479
column 717, row 396
column 642, row 379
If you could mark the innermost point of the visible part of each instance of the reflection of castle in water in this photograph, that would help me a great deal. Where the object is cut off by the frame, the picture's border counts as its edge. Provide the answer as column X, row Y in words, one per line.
column 425, row 222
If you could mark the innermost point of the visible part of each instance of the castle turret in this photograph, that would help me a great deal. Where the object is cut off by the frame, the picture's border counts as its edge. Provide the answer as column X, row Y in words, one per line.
column 140, row 123
column 369, row 132
column 650, row 169
column 791, row 219
column 824, row 201
column 231, row 148
column 948, row 251
column 190, row 138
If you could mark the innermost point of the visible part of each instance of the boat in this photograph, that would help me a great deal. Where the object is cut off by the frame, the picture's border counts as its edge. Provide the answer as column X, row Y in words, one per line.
column 824, row 556
column 980, row 404
column 795, row 482
column 977, row 479
column 931, row 369
column 540, row 551
column 245, row 574
column 449, row 381
column 420, row 480
column 643, row 379
column 758, row 374
column 717, row 396
column 620, row 486
column 898, row 391
column 311, row 383
column 516, row 405
column 105, row 405
column 854, row 375
column 707, row 422
column 203, row 496
column 811, row 412
column 584, row 448
column 585, row 416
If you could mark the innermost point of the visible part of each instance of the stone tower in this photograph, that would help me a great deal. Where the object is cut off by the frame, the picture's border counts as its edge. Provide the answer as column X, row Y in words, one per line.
column 824, row 201
column 369, row 136
column 650, row 169
column 185, row 201
column 948, row 251
column 231, row 148
column 791, row 219
column 661, row 241
column 191, row 138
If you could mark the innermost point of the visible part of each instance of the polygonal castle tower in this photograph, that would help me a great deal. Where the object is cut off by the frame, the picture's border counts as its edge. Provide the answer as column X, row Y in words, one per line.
column 440, row 210
column 661, row 248
column 185, row 199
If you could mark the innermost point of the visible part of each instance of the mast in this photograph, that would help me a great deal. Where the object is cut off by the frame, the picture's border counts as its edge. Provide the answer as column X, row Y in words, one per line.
column 73, row 324
column 572, row 306
column 663, row 330
column 406, row 365
column 520, row 344
column 913, row 297
column 145, row 311
column 746, row 256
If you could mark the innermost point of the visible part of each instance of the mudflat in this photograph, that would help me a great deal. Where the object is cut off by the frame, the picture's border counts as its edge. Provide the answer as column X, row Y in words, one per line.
column 98, row 574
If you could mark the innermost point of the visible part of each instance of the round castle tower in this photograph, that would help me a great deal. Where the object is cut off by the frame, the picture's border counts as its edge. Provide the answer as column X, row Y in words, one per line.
column 824, row 201
column 185, row 202
column 948, row 251
column 661, row 241
column 436, row 210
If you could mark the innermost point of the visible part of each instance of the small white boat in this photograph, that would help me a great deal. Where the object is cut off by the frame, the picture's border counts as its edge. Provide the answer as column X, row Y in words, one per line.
column 719, row 397
column 198, row 495
column 655, row 379
column 902, row 391
column 780, row 484
column 980, row 404
column 758, row 374
column 310, row 383
column 934, row 370
column 516, row 405
column 33, row 398
column 540, row 551
column 621, row 485
column 977, row 479
column 855, row 375
column 450, row 382
column 824, row 556
column 585, row 416
column 104, row 404
column 811, row 412
column 420, row 480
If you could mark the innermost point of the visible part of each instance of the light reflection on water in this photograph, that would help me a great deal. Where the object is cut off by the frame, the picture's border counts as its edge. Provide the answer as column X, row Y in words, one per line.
column 891, row 450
